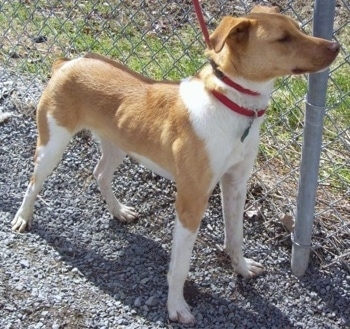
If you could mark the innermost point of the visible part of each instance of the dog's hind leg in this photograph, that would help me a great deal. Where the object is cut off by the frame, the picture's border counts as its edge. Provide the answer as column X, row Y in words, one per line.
column 52, row 141
column 111, row 158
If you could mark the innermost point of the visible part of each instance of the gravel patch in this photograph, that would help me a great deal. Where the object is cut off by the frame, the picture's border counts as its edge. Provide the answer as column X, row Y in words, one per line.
column 79, row 268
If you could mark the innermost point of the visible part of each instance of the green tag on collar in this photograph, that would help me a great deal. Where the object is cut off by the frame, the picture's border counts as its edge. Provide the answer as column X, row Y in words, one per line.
column 246, row 132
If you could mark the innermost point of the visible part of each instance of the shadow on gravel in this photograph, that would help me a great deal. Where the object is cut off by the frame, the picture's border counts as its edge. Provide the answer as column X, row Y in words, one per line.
column 257, row 312
column 329, row 289
column 134, row 273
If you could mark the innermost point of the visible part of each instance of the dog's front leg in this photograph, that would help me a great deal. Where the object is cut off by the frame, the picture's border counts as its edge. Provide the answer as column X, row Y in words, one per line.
column 179, row 266
column 233, row 189
column 188, row 217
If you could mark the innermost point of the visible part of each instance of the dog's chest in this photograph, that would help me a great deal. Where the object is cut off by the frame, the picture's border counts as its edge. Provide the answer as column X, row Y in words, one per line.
column 227, row 150
column 220, row 128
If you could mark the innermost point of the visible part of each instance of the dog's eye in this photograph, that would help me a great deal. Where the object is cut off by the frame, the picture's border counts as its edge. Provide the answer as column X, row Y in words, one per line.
column 284, row 38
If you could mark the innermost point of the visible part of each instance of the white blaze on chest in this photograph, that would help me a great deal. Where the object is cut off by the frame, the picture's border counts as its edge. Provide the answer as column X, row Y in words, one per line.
column 219, row 127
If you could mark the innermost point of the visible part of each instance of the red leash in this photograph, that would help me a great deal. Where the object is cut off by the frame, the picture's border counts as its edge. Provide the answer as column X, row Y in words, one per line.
column 201, row 21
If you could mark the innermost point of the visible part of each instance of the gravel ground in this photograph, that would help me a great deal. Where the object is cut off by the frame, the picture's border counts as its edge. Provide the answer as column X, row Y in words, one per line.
column 79, row 268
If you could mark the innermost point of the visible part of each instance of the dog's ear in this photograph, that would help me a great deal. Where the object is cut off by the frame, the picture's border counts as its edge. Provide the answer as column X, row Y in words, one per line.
column 229, row 27
column 264, row 9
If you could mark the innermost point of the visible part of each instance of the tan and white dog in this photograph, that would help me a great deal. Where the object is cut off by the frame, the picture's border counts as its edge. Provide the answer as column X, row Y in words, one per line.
column 197, row 132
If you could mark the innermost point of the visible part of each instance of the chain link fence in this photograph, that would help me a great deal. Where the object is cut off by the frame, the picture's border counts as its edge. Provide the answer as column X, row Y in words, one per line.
column 161, row 39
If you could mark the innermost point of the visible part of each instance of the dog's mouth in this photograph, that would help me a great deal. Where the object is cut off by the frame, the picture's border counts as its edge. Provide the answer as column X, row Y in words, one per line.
column 299, row 70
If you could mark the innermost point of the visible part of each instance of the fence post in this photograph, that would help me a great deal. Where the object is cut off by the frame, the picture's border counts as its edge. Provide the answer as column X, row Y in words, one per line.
column 312, row 143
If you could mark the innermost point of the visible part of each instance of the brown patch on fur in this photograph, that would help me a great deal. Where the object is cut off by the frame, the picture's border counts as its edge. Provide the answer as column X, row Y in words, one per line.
column 235, row 29
column 58, row 64
column 42, row 126
column 139, row 115
column 41, row 115
column 265, row 9
column 209, row 79
column 119, row 66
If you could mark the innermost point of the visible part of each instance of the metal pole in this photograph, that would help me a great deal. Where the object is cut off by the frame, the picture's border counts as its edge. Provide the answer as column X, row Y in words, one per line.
column 312, row 143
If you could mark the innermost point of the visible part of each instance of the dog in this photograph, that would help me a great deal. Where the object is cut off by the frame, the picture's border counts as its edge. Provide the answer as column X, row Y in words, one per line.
column 197, row 132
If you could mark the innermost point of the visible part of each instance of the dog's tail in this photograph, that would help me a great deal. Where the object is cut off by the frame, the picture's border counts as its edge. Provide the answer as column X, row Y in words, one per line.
column 58, row 64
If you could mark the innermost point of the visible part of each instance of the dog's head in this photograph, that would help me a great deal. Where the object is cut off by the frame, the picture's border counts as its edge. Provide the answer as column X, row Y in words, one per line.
column 265, row 44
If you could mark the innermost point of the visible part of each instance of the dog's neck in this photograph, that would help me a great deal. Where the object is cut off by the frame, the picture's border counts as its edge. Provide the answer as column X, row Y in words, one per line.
column 255, row 99
column 225, row 79
column 211, row 76
column 251, row 88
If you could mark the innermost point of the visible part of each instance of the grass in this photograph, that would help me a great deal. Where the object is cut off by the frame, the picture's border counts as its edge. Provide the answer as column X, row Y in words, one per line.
column 73, row 30
column 147, row 42
column 286, row 120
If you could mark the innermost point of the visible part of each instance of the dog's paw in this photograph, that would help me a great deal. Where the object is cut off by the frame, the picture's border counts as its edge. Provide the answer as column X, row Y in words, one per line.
column 124, row 213
column 20, row 223
column 179, row 311
column 248, row 268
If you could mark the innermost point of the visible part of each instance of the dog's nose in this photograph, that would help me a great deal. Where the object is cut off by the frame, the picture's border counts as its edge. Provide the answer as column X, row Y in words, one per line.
column 334, row 47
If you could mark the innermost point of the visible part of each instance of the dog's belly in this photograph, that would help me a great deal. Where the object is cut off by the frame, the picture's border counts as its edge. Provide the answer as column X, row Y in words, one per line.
column 152, row 166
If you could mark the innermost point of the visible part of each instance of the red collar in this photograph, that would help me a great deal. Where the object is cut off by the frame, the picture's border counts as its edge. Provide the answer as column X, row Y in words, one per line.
column 238, row 87
column 220, row 75
column 227, row 102
column 235, row 107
